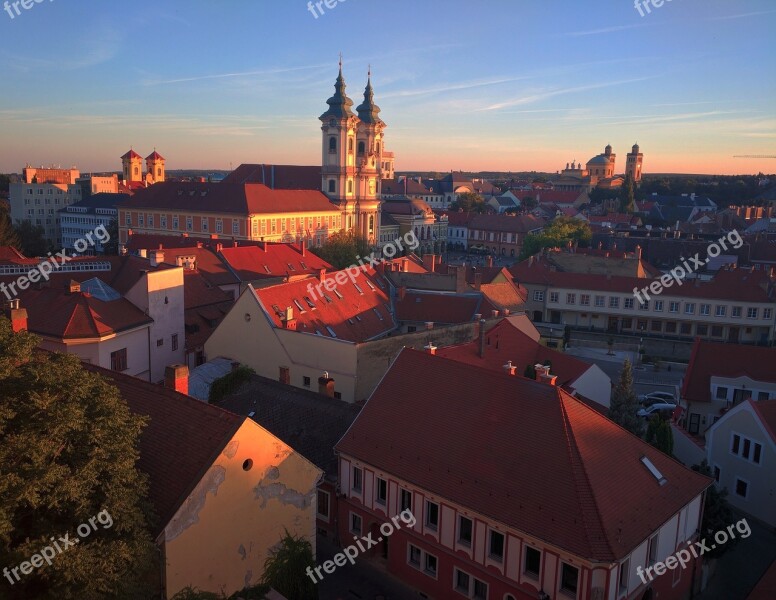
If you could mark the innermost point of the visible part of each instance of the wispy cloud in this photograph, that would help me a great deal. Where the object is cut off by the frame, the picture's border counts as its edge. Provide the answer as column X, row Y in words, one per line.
column 612, row 29
column 234, row 74
column 466, row 85
column 742, row 15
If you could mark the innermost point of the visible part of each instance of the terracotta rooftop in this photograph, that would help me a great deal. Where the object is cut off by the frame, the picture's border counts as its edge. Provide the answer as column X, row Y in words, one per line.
column 438, row 307
column 432, row 436
column 507, row 223
column 272, row 260
column 278, row 177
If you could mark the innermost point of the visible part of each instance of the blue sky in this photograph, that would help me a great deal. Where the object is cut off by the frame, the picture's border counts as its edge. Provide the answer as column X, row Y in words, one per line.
column 474, row 85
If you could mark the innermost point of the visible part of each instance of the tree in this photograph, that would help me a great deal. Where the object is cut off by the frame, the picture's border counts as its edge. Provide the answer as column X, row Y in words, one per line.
column 68, row 454
column 624, row 405
column 566, row 336
column 627, row 198
column 343, row 249
column 111, row 247
column 32, row 239
column 257, row 592
column 660, row 435
column 610, row 344
column 717, row 513
column 8, row 235
column 530, row 372
column 469, row 202
column 557, row 234
column 285, row 568
column 529, row 203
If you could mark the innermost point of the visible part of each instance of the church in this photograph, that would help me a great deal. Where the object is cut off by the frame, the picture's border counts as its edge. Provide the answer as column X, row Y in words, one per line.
column 599, row 172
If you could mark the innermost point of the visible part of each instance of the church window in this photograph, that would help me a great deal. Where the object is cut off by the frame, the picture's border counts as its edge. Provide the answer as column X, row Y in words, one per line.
column 361, row 148
column 350, row 145
column 350, row 186
column 332, row 186
column 332, row 144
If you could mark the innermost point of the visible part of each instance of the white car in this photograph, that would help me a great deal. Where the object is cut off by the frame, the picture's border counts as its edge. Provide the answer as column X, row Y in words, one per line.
column 654, row 397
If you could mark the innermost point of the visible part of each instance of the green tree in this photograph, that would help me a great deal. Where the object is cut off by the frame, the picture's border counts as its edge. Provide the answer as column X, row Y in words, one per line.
column 285, row 568
column 469, row 202
column 660, row 435
column 557, row 234
column 529, row 203
column 8, row 235
column 624, row 404
column 566, row 336
column 627, row 197
column 717, row 513
column 530, row 372
column 343, row 249
column 111, row 247
column 32, row 239
column 5, row 183
column 68, row 454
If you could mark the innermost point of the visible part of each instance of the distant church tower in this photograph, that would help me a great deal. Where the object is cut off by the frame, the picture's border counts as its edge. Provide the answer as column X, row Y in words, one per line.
column 132, row 167
column 634, row 163
column 352, row 148
column 154, row 168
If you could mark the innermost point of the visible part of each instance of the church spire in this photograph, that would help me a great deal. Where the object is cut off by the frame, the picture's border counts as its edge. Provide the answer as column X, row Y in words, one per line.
column 368, row 111
column 340, row 106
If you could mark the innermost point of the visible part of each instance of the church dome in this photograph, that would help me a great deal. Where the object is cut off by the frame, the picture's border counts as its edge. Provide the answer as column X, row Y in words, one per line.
column 598, row 160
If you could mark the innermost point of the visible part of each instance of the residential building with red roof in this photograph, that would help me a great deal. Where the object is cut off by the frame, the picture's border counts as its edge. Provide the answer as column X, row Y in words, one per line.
column 513, row 488
column 502, row 235
column 737, row 305
column 458, row 229
column 741, row 451
column 216, row 481
column 512, row 345
column 721, row 376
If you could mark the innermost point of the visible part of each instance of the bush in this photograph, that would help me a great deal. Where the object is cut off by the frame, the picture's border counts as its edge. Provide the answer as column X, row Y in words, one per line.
column 229, row 383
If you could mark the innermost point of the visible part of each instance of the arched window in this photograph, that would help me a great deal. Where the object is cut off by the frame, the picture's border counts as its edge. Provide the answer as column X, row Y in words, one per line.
column 377, row 147
column 136, row 171
column 350, row 186
column 371, row 224
column 350, row 145
column 158, row 171
column 332, row 144
column 332, row 186
column 361, row 148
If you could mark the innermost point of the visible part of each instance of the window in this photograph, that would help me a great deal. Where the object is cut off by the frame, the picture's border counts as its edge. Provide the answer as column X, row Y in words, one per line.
column 569, row 579
column 532, row 561
column 600, row 301
column 716, row 331
column 414, row 556
column 306, row 381
column 160, row 342
column 767, row 313
column 174, row 341
column 355, row 523
column 644, row 305
column 685, row 328
column 584, row 299
column 571, row 298
column 480, row 590
column 538, row 296
column 736, row 312
column 554, row 296
column 624, row 574
column 235, row 227
column 361, row 148
column 496, row 545
column 673, row 307
column 658, row 306
column 722, row 393
column 762, row 395
column 751, row 313
column 702, row 329
column 332, row 145
column 689, row 308
column 746, row 448
column 652, row 551
column 332, row 186
column 464, row 531
column 705, row 310
column 118, row 360
column 432, row 514
column 323, row 504
column 406, row 500
column 175, row 222
column 357, row 476
column 128, row 220
column 670, row 326
column 721, row 310
column 382, row 491
column 189, row 223
column 462, row 581
column 430, row 565
column 742, row 488
column 736, row 444
column 614, row 302
column 628, row 303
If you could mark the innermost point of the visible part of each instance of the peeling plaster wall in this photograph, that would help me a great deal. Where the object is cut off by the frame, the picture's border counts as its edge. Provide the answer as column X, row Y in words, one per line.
column 221, row 535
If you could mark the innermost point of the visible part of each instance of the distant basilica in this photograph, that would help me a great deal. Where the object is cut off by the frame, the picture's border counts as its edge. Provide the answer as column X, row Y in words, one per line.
column 599, row 172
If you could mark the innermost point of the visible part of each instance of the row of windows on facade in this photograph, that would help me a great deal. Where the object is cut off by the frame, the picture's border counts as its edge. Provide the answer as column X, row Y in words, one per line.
column 745, row 449
column 504, row 238
column 361, row 146
column 118, row 359
column 136, row 171
column 260, row 227
column 84, row 220
column 658, row 306
column 333, row 186
column 741, row 395
column 50, row 191
column 67, row 200
column 672, row 327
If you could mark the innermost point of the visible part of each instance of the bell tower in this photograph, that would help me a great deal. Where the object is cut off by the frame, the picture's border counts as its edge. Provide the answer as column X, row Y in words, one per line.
column 132, row 166
column 369, row 156
column 155, row 167
column 633, row 164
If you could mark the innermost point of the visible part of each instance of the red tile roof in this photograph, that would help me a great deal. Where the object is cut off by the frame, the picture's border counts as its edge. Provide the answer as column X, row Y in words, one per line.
column 766, row 410
column 12, row 255
column 279, row 177
column 714, row 359
column 438, row 307
column 508, row 223
column 766, row 587
column 557, row 196
column 459, row 219
column 488, row 441
column 154, row 156
column 505, row 342
column 181, row 441
column 356, row 317
column 272, row 260
column 221, row 198
column 131, row 154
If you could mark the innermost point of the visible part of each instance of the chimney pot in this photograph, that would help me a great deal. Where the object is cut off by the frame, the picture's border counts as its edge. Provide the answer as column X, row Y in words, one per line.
column 326, row 385
column 176, row 377
column 430, row 348
column 429, row 325
column 17, row 316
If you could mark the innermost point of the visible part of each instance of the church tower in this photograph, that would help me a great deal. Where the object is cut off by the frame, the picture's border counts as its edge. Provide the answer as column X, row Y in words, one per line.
column 132, row 167
column 634, row 163
column 369, row 155
column 154, row 168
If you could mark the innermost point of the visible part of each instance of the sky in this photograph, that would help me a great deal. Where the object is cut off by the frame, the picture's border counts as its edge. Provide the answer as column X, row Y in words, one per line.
column 508, row 85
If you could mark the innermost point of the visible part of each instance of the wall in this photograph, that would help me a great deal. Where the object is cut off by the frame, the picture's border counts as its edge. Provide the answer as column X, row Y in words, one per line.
column 220, row 537
column 595, row 385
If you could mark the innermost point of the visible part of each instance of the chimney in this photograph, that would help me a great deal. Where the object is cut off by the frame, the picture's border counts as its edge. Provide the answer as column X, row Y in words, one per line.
column 509, row 368
column 429, row 260
column 219, row 248
column 17, row 316
column 176, row 377
column 322, row 275
column 199, row 244
column 156, row 257
column 73, row 287
column 477, row 281
column 429, row 325
column 430, row 348
column 402, row 292
column 482, row 338
column 234, row 243
column 494, row 314
column 506, row 310
column 543, row 375
column 303, row 247
column 489, row 261
column 287, row 320
column 326, row 385
column 638, row 252
column 143, row 253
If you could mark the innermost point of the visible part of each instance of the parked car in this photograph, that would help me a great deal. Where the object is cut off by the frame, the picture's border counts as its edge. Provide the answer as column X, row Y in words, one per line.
column 654, row 397
column 664, row 409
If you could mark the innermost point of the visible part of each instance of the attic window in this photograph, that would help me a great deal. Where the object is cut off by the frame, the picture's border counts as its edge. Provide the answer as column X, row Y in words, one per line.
column 358, row 318
column 266, row 268
column 318, row 332
column 360, row 291
column 327, row 298
column 277, row 310
column 377, row 312
column 351, row 321
column 331, row 331
column 336, row 291
column 309, row 302
column 304, row 266
column 371, row 287
column 291, row 267
column 299, row 305
column 653, row 470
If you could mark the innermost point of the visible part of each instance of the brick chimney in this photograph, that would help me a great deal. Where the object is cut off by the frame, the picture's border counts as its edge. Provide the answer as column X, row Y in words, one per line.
column 288, row 320
column 322, row 275
column 429, row 261
column 543, row 375
column 509, row 368
column 430, row 348
column 176, row 377
column 303, row 248
column 73, row 287
column 17, row 316
column 494, row 314
column 156, row 257
column 219, row 248
column 482, row 338
column 326, row 385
